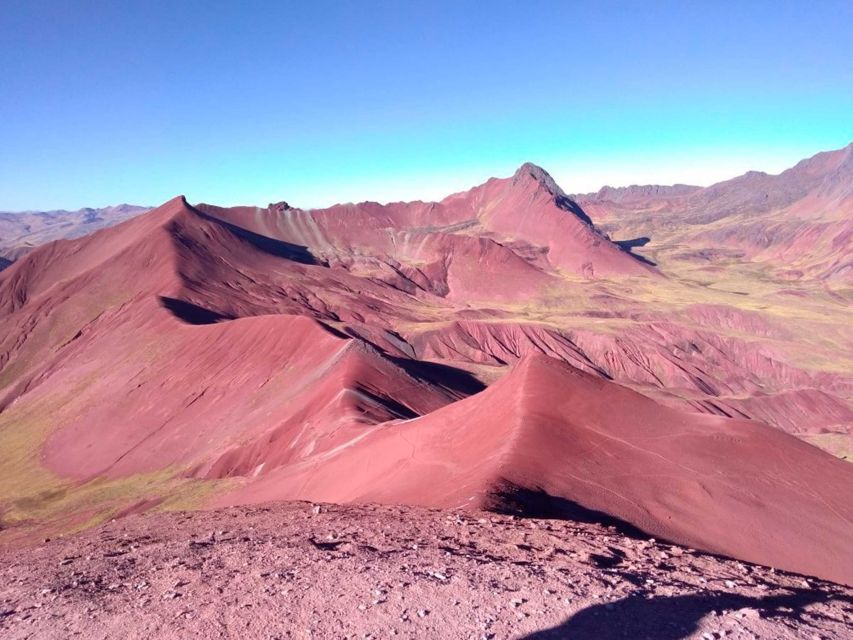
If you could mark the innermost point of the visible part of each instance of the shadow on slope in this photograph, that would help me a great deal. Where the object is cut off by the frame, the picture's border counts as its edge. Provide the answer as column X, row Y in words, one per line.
column 628, row 245
column 510, row 499
column 394, row 408
column 272, row 246
column 191, row 313
column 567, row 204
column 677, row 617
column 451, row 378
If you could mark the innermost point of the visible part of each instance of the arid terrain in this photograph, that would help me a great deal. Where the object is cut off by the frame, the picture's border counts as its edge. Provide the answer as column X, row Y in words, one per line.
column 673, row 361
column 298, row 570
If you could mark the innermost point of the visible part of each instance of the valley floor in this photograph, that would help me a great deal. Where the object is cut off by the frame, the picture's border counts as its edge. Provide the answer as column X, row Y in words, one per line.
column 303, row 570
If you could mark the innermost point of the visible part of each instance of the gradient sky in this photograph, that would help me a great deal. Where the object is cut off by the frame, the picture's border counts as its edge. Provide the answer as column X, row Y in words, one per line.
column 317, row 102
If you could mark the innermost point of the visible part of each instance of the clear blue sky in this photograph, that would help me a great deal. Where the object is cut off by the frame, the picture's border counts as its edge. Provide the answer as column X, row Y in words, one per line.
column 315, row 102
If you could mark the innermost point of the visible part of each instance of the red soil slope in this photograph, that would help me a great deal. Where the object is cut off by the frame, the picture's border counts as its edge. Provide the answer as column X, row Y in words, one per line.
column 301, row 390
column 734, row 487
column 180, row 393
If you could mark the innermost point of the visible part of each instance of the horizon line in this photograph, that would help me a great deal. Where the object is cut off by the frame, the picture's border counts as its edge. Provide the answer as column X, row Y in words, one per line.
column 447, row 193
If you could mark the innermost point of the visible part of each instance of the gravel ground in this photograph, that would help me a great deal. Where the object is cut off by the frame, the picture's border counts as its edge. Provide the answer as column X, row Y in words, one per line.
column 300, row 570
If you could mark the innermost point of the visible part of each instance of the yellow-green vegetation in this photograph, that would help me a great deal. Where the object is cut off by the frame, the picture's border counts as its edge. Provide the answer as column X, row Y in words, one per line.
column 33, row 497
column 808, row 322
column 102, row 498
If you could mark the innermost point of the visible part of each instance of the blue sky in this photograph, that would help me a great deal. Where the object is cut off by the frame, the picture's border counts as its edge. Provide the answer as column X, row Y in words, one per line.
column 318, row 102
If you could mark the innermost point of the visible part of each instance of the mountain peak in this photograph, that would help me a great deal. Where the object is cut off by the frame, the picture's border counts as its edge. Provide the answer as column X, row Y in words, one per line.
column 529, row 170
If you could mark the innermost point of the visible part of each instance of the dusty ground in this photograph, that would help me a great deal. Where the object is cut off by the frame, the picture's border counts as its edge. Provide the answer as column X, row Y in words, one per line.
column 298, row 570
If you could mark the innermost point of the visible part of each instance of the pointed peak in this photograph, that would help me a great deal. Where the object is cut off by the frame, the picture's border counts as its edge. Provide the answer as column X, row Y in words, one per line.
column 529, row 171
column 169, row 210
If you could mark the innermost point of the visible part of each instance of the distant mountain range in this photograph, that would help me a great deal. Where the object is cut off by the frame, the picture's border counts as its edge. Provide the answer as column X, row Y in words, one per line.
column 755, row 215
column 21, row 232
column 796, row 224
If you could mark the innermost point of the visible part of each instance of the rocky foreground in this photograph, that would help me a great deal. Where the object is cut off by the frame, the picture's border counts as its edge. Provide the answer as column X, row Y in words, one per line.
column 300, row 570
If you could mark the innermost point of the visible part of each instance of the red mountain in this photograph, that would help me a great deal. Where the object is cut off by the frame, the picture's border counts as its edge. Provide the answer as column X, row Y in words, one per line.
column 199, row 355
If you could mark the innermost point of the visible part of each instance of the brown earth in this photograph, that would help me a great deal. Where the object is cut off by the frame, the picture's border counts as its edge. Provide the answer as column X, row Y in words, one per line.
column 302, row 570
